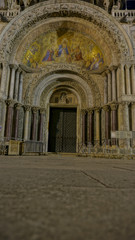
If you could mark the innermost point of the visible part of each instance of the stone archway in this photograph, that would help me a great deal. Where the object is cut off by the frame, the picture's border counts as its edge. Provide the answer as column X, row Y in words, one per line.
column 94, row 68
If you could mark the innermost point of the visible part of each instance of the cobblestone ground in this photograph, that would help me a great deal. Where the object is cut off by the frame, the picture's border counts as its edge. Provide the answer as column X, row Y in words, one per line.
column 66, row 198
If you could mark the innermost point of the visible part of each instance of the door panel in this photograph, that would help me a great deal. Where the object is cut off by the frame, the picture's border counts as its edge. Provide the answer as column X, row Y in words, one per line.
column 62, row 130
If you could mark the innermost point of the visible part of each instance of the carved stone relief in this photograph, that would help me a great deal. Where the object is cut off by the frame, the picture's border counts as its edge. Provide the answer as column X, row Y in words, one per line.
column 28, row 19
column 31, row 81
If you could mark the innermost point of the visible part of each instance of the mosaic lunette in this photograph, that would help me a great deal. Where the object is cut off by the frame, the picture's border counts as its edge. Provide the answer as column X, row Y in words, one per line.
column 69, row 47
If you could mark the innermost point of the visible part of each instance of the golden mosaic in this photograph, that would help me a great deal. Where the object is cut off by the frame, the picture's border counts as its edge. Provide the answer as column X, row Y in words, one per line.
column 68, row 47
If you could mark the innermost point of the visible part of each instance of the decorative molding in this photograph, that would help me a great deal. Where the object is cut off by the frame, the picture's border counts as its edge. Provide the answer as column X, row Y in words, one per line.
column 10, row 102
column 27, row 108
column 29, row 18
column 106, row 108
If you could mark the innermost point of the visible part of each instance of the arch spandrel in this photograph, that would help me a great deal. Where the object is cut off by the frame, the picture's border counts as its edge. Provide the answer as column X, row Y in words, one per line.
column 17, row 29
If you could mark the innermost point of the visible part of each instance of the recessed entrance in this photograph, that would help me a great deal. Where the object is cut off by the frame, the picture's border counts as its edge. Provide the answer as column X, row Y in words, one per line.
column 62, row 130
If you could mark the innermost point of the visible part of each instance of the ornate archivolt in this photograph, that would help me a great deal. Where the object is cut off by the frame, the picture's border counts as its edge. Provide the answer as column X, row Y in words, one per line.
column 19, row 27
column 35, row 83
column 74, row 95
column 69, row 29
column 69, row 80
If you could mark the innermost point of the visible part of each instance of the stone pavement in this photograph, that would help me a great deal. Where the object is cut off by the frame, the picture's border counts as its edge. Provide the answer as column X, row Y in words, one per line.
column 60, row 197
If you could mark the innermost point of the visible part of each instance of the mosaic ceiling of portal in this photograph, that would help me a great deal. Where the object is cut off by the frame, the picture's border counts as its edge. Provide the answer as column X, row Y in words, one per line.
column 63, row 47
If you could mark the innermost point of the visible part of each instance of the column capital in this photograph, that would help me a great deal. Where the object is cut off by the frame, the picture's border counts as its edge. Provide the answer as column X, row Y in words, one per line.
column 27, row 108
column 35, row 109
column 90, row 110
column 18, row 106
column 106, row 108
column 124, row 104
column 113, row 68
column 122, row 64
column 108, row 71
column 113, row 106
column 10, row 102
column 42, row 110
column 83, row 111
column 127, row 66
column 97, row 109
column 13, row 66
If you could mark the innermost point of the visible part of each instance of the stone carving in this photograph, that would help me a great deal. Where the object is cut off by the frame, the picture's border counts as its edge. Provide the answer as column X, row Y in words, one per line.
column 27, row 20
column 32, row 82
column 106, row 108
column 27, row 108
column 72, row 85
column 114, row 106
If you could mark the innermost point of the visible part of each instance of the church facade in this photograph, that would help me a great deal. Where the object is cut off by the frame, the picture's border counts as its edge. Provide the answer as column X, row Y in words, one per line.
column 67, row 77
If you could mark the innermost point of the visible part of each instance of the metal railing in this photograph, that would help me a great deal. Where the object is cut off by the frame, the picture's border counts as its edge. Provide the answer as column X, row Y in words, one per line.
column 24, row 146
column 107, row 147
column 33, row 147
column 3, row 148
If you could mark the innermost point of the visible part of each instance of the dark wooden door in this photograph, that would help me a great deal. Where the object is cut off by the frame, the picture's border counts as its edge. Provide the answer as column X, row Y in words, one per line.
column 62, row 130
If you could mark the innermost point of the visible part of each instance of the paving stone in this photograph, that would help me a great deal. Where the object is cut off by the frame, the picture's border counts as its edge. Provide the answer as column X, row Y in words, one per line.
column 60, row 197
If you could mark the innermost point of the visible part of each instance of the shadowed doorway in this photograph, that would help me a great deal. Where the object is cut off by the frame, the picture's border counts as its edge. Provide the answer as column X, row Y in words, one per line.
column 62, row 130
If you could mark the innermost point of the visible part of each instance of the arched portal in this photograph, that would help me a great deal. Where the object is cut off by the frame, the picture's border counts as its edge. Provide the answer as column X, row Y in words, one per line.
column 63, row 124
column 63, row 95
column 67, row 56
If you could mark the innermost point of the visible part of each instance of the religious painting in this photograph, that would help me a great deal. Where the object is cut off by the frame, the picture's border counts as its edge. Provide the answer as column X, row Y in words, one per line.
column 69, row 47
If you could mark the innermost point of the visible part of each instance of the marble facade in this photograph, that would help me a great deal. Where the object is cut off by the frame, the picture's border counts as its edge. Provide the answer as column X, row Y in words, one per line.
column 97, row 78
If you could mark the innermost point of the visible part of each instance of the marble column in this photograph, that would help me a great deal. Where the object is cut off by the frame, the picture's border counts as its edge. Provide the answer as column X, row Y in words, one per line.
column 12, row 81
column 114, row 120
column 34, row 123
column 17, row 109
column 123, row 123
column 109, row 86
column 20, row 87
column 0, row 74
column 118, row 82
column 3, row 84
column 90, row 126
column 133, row 122
column 9, row 120
column 126, row 116
column 26, row 122
column 122, row 89
column 133, row 78
column 107, row 123
column 128, row 86
column 41, row 124
column 113, row 83
column 105, row 89
column 97, row 112
column 3, row 109
column 17, row 85
column 8, row 81
column 83, row 113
